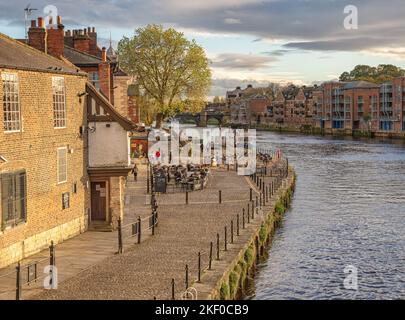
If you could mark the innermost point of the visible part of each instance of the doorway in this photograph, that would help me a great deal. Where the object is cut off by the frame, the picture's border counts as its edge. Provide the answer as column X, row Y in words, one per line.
column 99, row 201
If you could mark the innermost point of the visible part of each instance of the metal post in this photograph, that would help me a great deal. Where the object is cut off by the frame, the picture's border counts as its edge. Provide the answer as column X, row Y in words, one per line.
column 217, row 246
column 251, row 194
column 243, row 219
column 147, row 180
column 52, row 254
column 153, row 222
column 231, row 231
column 139, row 230
column 172, row 289
column 199, row 267
column 220, row 196
column 186, row 282
column 226, row 240
column 253, row 212
column 257, row 201
column 237, row 225
column 210, row 262
column 18, row 282
column 119, row 236
column 186, row 197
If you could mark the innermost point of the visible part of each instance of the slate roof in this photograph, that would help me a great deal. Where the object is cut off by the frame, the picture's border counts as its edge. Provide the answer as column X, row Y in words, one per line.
column 17, row 55
column 360, row 85
column 79, row 58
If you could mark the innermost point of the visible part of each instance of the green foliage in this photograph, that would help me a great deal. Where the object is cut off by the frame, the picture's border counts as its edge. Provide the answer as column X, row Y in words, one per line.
column 233, row 283
column 280, row 209
column 224, row 291
column 250, row 256
column 171, row 70
column 263, row 233
column 379, row 74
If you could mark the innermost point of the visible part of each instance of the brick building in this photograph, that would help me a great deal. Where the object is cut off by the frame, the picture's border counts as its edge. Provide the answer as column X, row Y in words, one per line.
column 44, row 193
column 111, row 111
column 81, row 48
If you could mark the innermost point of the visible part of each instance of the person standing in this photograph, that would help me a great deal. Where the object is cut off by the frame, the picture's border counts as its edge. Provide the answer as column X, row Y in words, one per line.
column 135, row 172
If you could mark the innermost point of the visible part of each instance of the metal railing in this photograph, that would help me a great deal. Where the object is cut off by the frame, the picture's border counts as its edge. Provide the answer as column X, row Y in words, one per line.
column 26, row 274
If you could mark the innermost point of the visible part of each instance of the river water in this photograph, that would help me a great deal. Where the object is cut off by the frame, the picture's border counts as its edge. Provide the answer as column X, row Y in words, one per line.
column 348, row 210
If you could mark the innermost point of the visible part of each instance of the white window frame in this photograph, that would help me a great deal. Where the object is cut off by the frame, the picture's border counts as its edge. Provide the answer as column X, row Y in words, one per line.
column 59, row 103
column 58, row 172
column 12, row 109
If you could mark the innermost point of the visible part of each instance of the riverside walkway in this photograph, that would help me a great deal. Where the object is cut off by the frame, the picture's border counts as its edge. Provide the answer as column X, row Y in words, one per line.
column 89, row 269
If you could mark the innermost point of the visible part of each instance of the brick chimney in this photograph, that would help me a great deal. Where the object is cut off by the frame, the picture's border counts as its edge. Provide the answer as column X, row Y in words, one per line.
column 81, row 41
column 37, row 35
column 56, row 39
column 93, row 41
column 104, row 74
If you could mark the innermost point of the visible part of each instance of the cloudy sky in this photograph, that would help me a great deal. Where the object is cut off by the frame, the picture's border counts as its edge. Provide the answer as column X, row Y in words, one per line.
column 248, row 41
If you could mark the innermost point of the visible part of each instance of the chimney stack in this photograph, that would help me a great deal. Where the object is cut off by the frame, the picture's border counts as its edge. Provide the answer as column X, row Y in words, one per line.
column 41, row 22
column 56, row 38
column 104, row 74
column 104, row 54
column 81, row 41
column 93, row 42
column 37, row 35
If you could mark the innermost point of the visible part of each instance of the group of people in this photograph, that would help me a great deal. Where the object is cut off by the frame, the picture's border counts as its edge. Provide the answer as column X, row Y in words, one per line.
column 184, row 176
column 264, row 157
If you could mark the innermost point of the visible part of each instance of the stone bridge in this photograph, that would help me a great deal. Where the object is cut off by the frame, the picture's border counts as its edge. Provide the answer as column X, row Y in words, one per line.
column 202, row 118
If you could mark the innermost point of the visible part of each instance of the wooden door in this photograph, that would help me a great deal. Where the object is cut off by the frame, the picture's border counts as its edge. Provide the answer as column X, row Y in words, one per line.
column 98, row 201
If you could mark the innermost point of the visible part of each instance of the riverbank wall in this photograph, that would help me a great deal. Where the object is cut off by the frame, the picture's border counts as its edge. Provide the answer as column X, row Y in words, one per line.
column 316, row 131
column 230, row 277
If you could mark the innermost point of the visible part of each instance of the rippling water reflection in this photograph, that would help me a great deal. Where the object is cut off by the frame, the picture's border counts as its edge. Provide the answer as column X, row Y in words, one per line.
column 348, row 209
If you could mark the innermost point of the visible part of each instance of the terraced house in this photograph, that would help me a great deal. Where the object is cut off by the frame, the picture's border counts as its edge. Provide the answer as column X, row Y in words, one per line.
column 110, row 108
column 43, row 176
column 64, row 146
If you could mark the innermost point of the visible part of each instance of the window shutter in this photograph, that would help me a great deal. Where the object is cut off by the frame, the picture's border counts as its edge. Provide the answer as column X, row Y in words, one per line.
column 6, row 197
column 20, row 194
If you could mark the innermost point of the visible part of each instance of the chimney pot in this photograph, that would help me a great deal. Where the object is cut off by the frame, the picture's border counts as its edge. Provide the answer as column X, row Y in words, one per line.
column 59, row 20
column 40, row 22
column 50, row 20
column 103, row 54
column 93, row 29
column 33, row 23
column 85, row 31
column 88, row 29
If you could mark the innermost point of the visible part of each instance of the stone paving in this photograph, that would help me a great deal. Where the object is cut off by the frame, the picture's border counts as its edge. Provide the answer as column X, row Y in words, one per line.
column 79, row 253
column 88, row 268
column 145, row 271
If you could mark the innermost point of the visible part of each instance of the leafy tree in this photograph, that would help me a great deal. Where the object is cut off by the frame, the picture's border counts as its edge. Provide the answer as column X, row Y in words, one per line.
column 170, row 69
column 218, row 99
column 379, row 74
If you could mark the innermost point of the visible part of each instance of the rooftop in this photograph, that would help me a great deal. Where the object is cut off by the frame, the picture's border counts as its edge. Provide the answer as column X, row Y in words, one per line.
column 360, row 85
column 17, row 55
column 80, row 58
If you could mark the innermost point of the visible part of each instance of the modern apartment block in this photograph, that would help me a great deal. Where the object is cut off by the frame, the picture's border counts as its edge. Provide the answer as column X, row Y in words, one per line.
column 361, row 105
column 344, row 107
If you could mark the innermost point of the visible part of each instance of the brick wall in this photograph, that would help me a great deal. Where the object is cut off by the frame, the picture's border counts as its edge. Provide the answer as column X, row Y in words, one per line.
column 35, row 150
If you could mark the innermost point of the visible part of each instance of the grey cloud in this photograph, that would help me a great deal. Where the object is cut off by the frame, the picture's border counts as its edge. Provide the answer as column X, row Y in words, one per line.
column 241, row 61
column 220, row 86
column 320, row 24
column 277, row 53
